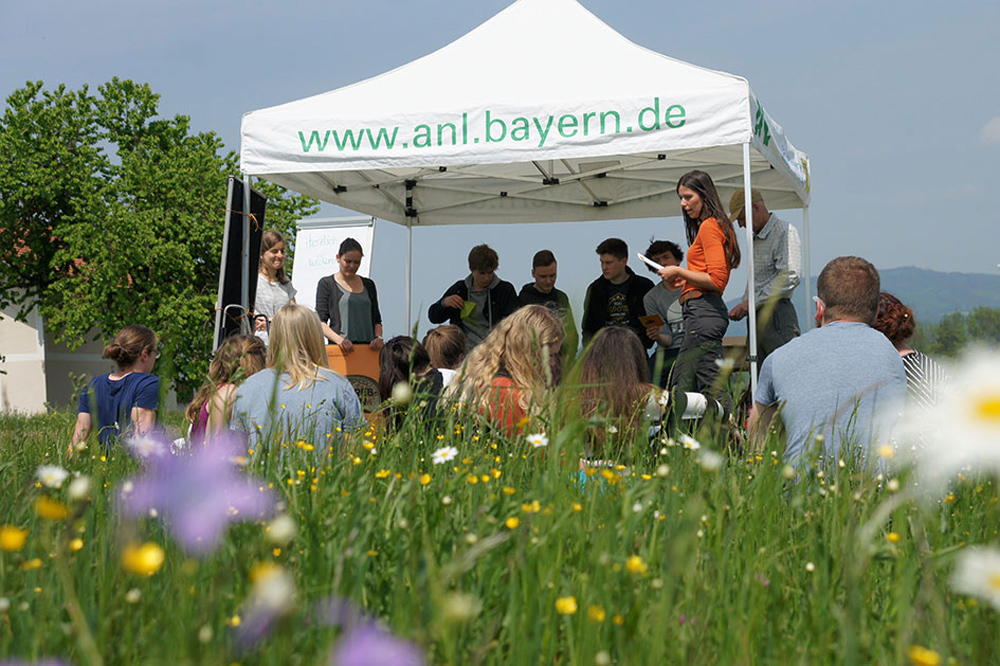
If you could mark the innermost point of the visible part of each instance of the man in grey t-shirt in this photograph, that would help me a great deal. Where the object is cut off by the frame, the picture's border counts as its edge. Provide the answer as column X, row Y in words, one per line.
column 844, row 380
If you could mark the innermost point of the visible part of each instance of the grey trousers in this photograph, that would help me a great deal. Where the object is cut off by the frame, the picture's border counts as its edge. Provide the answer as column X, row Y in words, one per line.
column 697, row 367
column 779, row 328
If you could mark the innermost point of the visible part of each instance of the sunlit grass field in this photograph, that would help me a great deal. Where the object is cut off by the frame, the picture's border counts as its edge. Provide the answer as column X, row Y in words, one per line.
column 505, row 554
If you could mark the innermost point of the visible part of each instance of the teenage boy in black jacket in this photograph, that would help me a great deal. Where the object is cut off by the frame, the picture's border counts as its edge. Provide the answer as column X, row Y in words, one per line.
column 615, row 298
column 478, row 302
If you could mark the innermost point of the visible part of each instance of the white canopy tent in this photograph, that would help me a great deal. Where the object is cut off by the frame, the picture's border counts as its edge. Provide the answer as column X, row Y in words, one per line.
column 543, row 113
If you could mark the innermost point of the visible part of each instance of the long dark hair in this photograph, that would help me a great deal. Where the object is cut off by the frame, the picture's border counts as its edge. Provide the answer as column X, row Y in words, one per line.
column 614, row 383
column 269, row 240
column 711, row 206
column 401, row 357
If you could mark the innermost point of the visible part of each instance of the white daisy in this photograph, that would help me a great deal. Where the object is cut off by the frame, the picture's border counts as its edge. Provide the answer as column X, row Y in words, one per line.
column 444, row 454
column 963, row 428
column 977, row 573
column 538, row 440
column 690, row 442
column 51, row 475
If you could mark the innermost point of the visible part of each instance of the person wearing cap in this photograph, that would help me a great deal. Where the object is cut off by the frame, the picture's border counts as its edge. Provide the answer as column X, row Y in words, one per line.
column 777, row 266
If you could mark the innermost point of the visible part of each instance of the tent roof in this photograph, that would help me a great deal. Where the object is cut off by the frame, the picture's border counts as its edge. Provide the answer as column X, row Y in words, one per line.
column 543, row 113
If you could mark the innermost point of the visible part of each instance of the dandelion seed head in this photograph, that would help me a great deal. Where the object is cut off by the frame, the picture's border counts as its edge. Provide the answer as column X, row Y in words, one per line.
column 79, row 488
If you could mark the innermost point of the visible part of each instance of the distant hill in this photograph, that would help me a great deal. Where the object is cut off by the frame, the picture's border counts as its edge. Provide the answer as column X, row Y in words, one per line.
column 930, row 294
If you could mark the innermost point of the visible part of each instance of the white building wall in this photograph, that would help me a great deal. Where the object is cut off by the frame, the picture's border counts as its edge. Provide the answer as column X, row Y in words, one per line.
column 22, row 370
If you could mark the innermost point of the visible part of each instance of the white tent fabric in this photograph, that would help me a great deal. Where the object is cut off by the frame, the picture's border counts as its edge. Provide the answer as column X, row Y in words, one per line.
column 543, row 113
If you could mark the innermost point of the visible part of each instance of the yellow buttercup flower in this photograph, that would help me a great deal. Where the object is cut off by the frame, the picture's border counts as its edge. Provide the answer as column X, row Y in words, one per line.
column 566, row 605
column 425, row 479
column 893, row 537
column 144, row 560
column 921, row 656
column 635, row 565
column 382, row 473
column 76, row 544
column 261, row 571
column 51, row 509
column 12, row 538
column 512, row 522
column 31, row 564
column 596, row 613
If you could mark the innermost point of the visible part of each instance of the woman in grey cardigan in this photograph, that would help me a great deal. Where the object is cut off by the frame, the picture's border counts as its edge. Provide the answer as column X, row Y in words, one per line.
column 347, row 304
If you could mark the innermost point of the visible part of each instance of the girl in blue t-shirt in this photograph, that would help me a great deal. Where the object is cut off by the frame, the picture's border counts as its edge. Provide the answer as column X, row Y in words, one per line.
column 125, row 400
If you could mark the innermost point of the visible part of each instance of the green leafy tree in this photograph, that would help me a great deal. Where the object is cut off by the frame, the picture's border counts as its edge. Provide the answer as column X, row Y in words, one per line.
column 983, row 325
column 950, row 335
column 111, row 216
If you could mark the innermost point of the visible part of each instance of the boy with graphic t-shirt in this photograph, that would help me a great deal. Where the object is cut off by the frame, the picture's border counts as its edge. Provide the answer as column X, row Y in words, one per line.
column 615, row 298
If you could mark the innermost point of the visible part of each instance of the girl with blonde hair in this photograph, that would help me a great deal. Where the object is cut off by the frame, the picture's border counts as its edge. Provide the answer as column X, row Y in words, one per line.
column 507, row 376
column 237, row 358
column 296, row 398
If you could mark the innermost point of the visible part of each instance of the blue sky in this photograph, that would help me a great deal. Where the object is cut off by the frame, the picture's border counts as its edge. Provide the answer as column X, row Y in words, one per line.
column 896, row 103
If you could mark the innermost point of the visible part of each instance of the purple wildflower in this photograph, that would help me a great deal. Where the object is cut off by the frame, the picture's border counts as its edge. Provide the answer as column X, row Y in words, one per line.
column 367, row 645
column 199, row 495
column 362, row 642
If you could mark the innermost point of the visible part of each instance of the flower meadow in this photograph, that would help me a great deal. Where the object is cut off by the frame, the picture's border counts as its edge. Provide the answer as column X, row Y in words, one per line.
column 445, row 543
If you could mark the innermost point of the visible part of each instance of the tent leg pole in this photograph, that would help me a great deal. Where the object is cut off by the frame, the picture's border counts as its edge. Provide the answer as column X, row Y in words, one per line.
column 245, row 290
column 807, row 269
column 409, row 275
column 751, row 296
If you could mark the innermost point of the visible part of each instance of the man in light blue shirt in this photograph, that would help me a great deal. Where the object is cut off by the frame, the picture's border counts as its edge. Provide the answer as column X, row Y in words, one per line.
column 841, row 386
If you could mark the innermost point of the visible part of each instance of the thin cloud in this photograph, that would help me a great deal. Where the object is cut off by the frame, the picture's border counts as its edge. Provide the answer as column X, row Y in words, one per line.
column 990, row 134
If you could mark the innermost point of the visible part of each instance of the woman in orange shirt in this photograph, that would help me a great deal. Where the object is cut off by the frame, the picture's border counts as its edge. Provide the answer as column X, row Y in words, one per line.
column 713, row 253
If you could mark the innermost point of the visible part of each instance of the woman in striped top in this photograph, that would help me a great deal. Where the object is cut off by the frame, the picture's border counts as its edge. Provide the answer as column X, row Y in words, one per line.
column 924, row 377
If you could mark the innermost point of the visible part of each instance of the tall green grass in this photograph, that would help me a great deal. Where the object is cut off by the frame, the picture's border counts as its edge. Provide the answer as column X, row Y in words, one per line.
column 668, row 563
